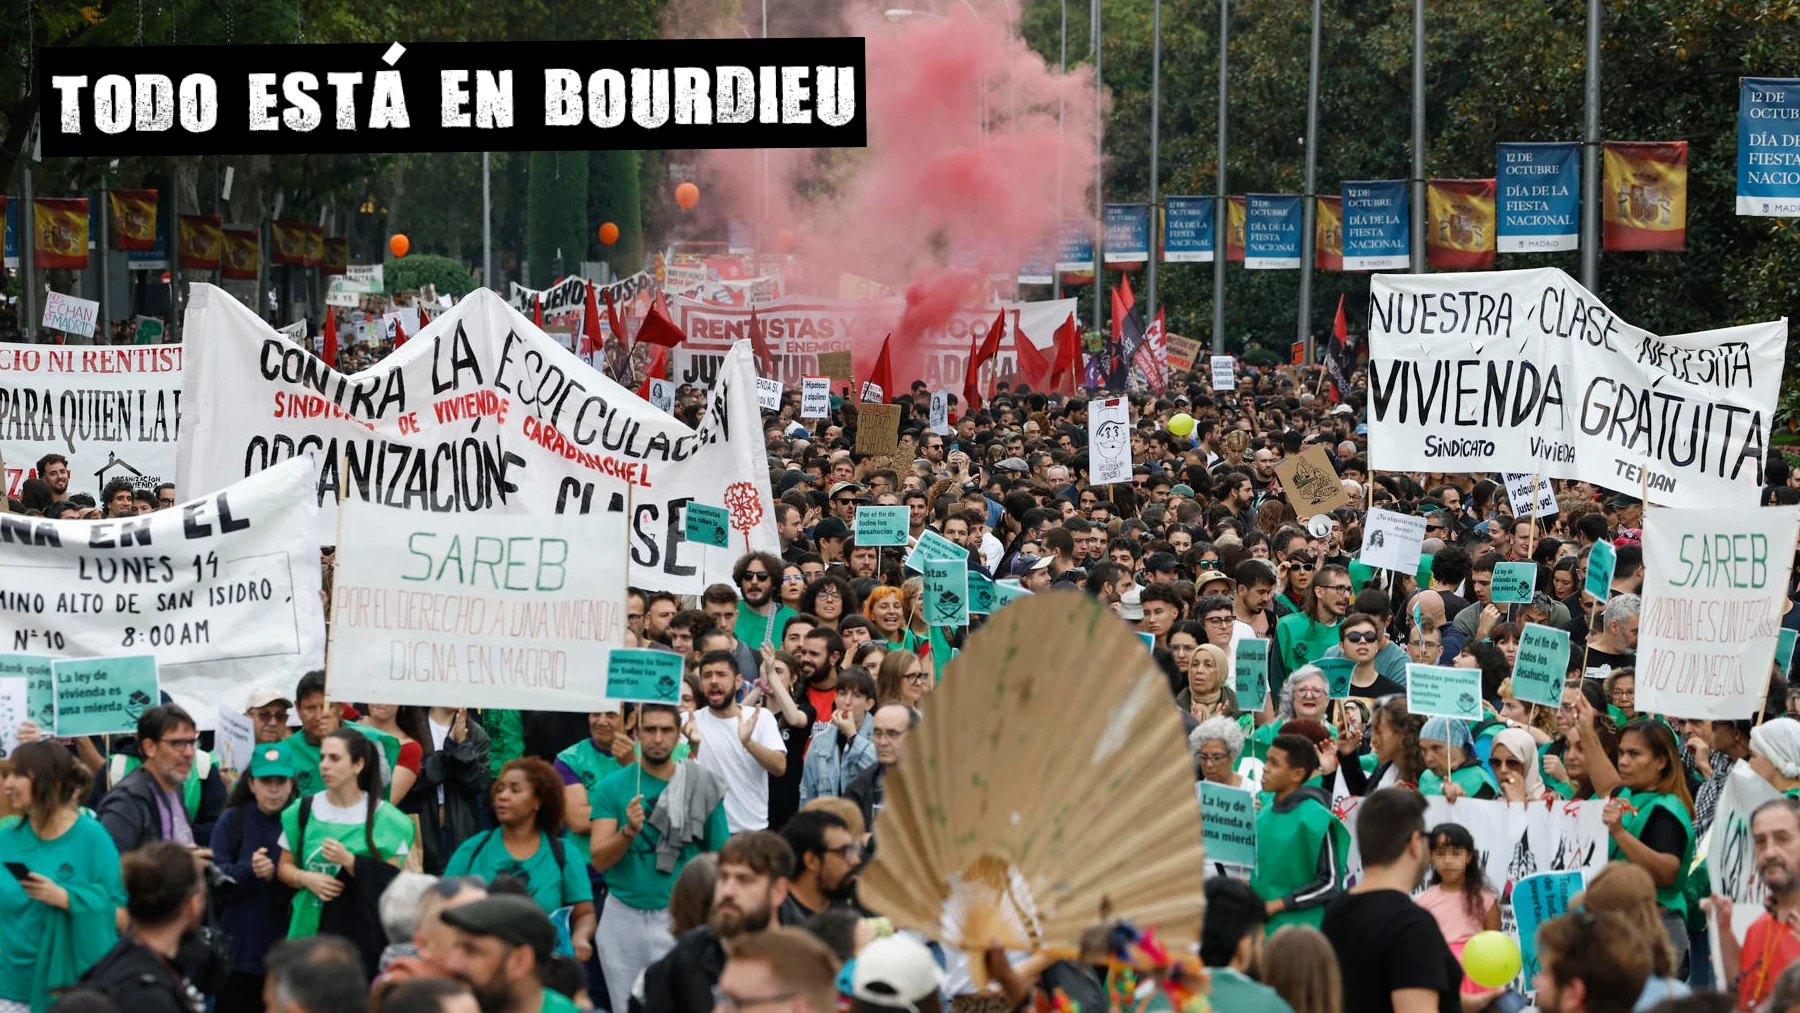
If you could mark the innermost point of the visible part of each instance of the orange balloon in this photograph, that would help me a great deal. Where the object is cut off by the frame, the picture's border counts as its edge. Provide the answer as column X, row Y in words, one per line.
column 785, row 239
column 399, row 244
column 687, row 195
column 609, row 233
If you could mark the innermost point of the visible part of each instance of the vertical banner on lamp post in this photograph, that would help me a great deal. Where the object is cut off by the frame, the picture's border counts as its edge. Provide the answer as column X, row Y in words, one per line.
column 1272, row 232
column 1075, row 246
column 1127, row 234
column 1188, row 230
column 1376, row 226
column 1768, row 147
column 1643, row 200
column 1459, row 226
column 1540, row 197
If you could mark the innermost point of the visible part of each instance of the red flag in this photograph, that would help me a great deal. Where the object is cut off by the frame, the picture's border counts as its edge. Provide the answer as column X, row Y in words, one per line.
column 331, row 349
column 399, row 333
column 1339, row 328
column 591, row 340
column 759, row 347
column 1032, row 363
column 657, row 328
column 883, row 375
column 1066, row 369
column 658, row 366
column 537, row 310
column 979, row 354
column 1119, row 308
column 1125, row 286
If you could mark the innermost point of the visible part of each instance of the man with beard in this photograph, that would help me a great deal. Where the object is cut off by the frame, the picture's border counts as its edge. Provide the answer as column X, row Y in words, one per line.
column 1231, row 943
column 503, row 948
column 752, row 885
column 821, row 651
column 1591, row 962
column 760, row 616
column 1769, row 945
column 628, row 848
column 826, row 861
column 54, row 470
column 1390, row 951
column 741, row 745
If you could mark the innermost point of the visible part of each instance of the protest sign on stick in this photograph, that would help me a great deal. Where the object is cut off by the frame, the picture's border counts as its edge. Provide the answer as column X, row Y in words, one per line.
column 1109, row 441
column 1392, row 540
column 1310, row 483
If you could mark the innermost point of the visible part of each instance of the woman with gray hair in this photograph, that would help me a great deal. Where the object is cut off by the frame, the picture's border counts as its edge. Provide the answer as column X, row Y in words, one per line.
column 1305, row 694
column 1216, row 744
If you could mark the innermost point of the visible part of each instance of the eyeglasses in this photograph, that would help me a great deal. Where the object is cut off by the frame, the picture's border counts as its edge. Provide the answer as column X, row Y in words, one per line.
column 1211, row 758
column 844, row 501
column 1217, row 620
column 1622, row 694
column 1207, row 564
column 886, row 735
column 829, row 594
column 846, row 851
column 1361, row 637
column 917, row 677
column 756, row 575
column 1309, row 691
column 793, row 578
column 1334, row 587
column 726, row 1001
column 179, row 745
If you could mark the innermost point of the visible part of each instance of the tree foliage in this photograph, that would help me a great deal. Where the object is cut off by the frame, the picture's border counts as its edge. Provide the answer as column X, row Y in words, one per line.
column 416, row 270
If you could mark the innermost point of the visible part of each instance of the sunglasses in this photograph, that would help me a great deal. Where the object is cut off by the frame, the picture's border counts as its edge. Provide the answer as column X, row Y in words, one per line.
column 756, row 575
column 1361, row 637
column 1508, row 764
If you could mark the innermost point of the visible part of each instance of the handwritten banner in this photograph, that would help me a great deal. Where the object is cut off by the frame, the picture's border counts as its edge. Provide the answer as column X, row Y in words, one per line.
column 111, row 411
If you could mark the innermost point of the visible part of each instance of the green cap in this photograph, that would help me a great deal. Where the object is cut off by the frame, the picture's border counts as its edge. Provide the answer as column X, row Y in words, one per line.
column 270, row 759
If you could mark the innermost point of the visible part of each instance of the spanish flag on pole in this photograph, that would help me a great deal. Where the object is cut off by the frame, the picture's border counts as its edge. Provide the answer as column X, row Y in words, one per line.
column 1459, row 224
column 1643, row 201
column 60, row 227
column 1234, row 228
column 1328, row 235
column 134, row 219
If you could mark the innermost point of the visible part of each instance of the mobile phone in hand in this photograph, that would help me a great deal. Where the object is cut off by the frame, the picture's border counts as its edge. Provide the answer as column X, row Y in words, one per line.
column 19, row 871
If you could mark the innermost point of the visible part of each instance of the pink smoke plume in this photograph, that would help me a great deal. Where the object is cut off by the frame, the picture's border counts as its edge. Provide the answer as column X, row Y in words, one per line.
column 935, row 203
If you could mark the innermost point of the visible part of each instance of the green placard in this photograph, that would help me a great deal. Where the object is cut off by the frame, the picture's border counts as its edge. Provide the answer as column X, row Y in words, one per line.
column 981, row 594
column 1337, row 675
column 641, row 675
column 1008, row 591
column 1228, row 824
column 709, row 525
column 1784, row 650
column 1602, row 559
column 1250, row 673
column 1542, row 665
column 1423, row 576
column 946, row 592
column 1443, row 691
column 104, row 696
column 933, row 546
column 1360, row 573
column 1514, row 582
column 882, row 525
column 149, row 331
column 40, row 686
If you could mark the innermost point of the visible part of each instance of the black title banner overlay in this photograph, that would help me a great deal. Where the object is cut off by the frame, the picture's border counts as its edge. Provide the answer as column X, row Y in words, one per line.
column 496, row 96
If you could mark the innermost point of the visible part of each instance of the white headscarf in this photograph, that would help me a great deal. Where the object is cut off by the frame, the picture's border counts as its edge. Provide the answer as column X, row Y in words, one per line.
column 1779, row 740
column 1519, row 742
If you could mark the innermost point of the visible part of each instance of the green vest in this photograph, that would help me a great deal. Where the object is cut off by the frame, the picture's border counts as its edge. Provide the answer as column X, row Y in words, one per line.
column 1470, row 777
column 1302, row 641
column 1674, row 896
column 119, row 766
column 592, row 766
column 1287, row 856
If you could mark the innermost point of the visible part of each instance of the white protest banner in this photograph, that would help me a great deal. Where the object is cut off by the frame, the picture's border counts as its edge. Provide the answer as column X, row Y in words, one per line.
column 458, row 610
column 566, row 300
column 72, row 314
column 768, row 394
column 1715, row 589
column 481, row 412
column 1392, row 541
column 799, row 328
column 1109, row 441
column 234, row 736
column 295, row 332
column 940, row 412
column 1731, row 853
column 1224, row 373
column 222, row 589
column 815, row 397
column 112, row 411
column 1518, row 490
column 1528, row 372
column 367, row 279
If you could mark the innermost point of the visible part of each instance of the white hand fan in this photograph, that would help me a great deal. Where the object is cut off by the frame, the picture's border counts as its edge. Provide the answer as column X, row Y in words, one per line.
column 1047, row 789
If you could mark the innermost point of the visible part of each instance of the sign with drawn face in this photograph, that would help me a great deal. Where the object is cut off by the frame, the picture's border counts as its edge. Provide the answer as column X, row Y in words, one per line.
column 1109, row 441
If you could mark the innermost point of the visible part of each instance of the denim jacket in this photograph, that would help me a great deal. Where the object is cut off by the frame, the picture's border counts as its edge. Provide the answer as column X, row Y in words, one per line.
column 827, row 772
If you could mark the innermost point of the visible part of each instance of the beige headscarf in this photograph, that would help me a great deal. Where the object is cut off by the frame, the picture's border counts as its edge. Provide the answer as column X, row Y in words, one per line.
column 1523, row 747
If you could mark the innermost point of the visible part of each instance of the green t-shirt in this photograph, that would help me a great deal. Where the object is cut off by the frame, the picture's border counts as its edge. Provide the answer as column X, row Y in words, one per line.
column 592, row 766
column 753, row 629
column 634, row 879
column 556, row 1002
column 485, row 855
column 1302, row 641
column 305, row 757
column 393, row 839
column 84, row 862
column 506, row 738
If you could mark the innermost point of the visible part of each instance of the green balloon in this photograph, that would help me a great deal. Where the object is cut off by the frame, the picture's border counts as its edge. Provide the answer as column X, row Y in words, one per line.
column 1491, row 959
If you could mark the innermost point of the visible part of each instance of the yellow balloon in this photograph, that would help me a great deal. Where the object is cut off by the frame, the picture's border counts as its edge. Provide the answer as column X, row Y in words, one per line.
column 1181, row 424
column 1491, row 959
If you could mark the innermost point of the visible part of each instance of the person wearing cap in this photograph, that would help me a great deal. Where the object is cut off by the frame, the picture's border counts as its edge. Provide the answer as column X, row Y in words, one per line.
column 842, row 499
column 502, row 952
column 1033, row 572
column 895, row 974
column 268, row 712
column 246, row 847
column 830, row 534
column 1161, row 566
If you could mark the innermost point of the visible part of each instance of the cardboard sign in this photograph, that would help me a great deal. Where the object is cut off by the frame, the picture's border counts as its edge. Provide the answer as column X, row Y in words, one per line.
column 641, row 675
column 768, row 394
column 1224, row 373
column 932, row 545
column 1337, row 676
column 1514, row 583
column 1541, row 665
column 877, row 428
column 1228, row 824
column 882, row 525
column 946, row 592
column 1310, row 483
column 1109, row 441
column 1007, row 591
column 1535, row 900
column 234, row 738
column 104, row 696
column 940, row 412
column 71, row 314
column 1441, row 691
column 1602, row 559
column 1518, row 490
column 981, row 594
column 708, row 525
column 1392, row 541
column 835, row 365
column 815, row 397
column 40, row 686
column 1250, row 673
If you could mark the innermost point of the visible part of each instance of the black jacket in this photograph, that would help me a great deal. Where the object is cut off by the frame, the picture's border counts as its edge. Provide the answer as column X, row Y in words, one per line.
column 132, row 812
column 682, row 981
column 138, row 979
column 864, row 791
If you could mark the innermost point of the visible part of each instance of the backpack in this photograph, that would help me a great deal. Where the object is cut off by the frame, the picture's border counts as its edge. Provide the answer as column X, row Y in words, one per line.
column 556, row 849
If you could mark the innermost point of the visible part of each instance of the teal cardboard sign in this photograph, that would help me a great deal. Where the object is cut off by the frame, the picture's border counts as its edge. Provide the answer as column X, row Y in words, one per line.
column 1536, row 899
column 641, row 675
column 1784, row 650
column 981, row 594
column 1542, row 665
column 932, row 545
column 1337, row 675
column 882, row 525
column 1006, row 591
column 104, row 696
column 1514, row 582
column 1441, row 691
column 1228, row 824
column 1602, row 559
column 1250, row 673
column 1149, row 640
column 40, row 686
column 708, row 525
column 946, row 591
